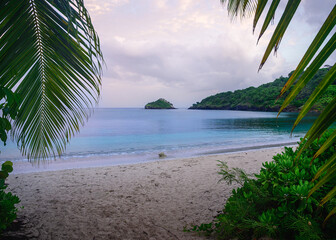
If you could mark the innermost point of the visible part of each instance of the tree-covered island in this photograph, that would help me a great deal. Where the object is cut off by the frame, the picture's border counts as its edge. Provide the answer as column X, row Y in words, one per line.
column 160, row 104
column 263, row 98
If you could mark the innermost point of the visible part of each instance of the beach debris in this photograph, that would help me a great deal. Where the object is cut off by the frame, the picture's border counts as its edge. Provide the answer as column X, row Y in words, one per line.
column 162, row 155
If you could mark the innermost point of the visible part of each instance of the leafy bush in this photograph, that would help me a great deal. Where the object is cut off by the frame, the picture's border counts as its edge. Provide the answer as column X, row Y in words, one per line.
column 275, row 203
column 7, row 200
column 9, row 106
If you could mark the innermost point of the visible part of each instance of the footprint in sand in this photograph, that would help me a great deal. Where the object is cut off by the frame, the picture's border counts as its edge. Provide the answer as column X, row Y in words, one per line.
column 164, row 175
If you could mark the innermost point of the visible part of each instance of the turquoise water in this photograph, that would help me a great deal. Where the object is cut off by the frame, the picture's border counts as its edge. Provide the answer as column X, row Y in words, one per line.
column 179, row 133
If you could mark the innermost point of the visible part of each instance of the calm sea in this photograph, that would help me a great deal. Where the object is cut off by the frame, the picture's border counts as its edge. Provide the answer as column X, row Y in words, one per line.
column 136, row 135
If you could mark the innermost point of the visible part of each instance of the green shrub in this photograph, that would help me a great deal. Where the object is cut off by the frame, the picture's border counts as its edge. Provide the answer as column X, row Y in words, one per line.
column 9, row 107
column 7, row 199
column 274, row 203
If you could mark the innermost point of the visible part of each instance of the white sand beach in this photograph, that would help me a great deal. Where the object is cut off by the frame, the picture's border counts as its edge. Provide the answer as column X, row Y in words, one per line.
column 141, row 201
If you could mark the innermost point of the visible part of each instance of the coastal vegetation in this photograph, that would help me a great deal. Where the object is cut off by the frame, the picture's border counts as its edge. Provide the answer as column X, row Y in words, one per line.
column 275, row 202
column 264, row 97
column 160, row 104
column 9, row 108
column 320, row 49
column 7, row 199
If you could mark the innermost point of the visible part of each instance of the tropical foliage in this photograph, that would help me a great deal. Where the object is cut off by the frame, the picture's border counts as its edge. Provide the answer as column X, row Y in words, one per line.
column 7, row 199
column 318, row 52
column 9, row 108
column 275, row 203
column 263, row 98
column 50, row 55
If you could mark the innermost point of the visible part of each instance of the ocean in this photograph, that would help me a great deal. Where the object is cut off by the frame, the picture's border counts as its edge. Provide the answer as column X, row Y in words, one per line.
column 133, row 135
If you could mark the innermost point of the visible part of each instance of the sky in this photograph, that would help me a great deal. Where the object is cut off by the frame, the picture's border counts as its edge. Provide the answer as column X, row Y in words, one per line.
column 185, row 50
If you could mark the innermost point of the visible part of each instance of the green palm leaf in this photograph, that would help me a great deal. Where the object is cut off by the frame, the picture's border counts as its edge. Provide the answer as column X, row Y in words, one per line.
column 269, row 17
column 321, row 124
column 240, row 7
column 323, row 55
column 324, row 168
column 280, row 29
column 51, row 56
column 260, row 8
column 328, row 79
column 320, row 37
column 328, row 143
column 330, row 195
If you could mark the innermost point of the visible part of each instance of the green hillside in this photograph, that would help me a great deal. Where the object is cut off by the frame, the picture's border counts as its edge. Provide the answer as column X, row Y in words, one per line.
column 159, row 104
column 263, row 98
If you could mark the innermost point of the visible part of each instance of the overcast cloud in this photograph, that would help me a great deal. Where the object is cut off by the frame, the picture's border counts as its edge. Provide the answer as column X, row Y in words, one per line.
column 187, row 50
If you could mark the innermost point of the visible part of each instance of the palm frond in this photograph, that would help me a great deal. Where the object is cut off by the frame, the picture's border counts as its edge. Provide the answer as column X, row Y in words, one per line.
column 259, row 10
column 320, row 37
column 269, row 17
column 328, row 143
column 51, row 56
column 323, row 55
column 241, row 8
column 280, row 29
column 321, row 124
column 328, row 79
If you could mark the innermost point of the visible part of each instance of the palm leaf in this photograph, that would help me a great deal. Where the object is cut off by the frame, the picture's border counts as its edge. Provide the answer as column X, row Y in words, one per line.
column 328, row 143
column 328, row 79
column 326, row 178
column 326, row 28
column 323, row 55
column 260, row 8
column 324, row 168
column 329, row 196
column 269, row 17
column 321, row 124
column 280, row 29
column 240, row 7
column 51, row 56
column 332, row 212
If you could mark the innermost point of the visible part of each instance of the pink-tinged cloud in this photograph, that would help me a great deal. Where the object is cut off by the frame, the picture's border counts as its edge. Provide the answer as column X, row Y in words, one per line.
column 187, row 50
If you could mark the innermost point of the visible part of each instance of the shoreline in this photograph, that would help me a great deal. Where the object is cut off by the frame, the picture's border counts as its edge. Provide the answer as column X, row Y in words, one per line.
column 153, row 200
column 59, row 164
column 257, row 147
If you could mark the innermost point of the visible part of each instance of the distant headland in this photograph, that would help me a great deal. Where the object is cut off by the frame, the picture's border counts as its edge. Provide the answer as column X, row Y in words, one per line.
column 263, row 98
column 160, row 104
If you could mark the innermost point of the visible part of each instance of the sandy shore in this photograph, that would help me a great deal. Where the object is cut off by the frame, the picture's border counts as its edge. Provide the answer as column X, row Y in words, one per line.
column 141, row 201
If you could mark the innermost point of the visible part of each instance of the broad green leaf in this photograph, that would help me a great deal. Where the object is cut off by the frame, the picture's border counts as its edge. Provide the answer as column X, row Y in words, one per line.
column 3, row 175
column 9, row 163
column 7, row 168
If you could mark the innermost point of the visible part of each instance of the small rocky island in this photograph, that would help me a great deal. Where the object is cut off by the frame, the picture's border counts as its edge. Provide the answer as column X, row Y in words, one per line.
column 160, row 104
